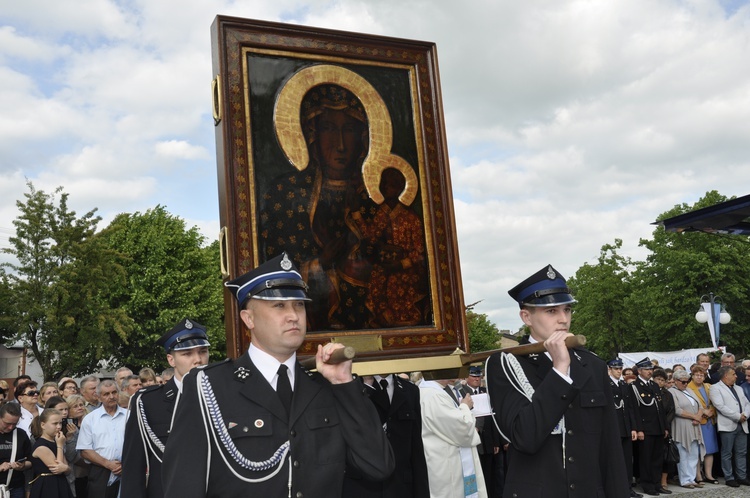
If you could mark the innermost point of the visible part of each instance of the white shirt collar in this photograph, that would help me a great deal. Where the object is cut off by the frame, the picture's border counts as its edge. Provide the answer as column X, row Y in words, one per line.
column 269, row 366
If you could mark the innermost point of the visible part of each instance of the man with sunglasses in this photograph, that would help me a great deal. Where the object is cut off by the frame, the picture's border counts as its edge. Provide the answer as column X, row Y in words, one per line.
column 626, row 420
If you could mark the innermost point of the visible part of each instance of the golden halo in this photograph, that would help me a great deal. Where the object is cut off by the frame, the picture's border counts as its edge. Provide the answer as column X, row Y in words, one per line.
column 289, row 128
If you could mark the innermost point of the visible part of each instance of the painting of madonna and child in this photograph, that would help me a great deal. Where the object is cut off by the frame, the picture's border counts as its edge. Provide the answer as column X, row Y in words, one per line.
column 337, row 184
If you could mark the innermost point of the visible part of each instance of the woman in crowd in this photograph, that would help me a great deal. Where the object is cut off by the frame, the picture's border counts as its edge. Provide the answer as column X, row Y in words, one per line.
column 628, row 375
column 68, row 387
column 686, row 429
column 148, row 377
column 47, row 390
column 49, row 451
column 70, row 429
column 700, row 391
column 80, row 473
column 27, row 395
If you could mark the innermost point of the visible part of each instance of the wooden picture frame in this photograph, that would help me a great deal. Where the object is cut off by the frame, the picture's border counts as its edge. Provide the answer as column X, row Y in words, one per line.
column 331, row 147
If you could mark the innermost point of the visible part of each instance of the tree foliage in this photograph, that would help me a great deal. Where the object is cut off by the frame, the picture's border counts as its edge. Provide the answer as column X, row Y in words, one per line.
column 602, row 290
column 483, row 334
column 56, row 294
column 170, row 275
column 651, row 304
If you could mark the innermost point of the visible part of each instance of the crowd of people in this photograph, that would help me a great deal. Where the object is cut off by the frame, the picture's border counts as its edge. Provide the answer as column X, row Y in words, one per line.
column 263, row 425
column 46, row 448
column 702, row 410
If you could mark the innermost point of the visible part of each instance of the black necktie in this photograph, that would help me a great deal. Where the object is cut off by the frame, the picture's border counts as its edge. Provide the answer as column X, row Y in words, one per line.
column 384, row 387
column 284, row 388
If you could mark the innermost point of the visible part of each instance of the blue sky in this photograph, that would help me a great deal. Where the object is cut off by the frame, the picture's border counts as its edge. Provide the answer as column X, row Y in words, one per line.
column 569, row 123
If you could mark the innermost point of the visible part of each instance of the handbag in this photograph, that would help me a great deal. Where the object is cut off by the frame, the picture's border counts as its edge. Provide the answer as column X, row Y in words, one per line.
column 671, row 453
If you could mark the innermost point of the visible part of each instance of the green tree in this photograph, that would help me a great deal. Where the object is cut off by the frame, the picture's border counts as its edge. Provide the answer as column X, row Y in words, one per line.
column 650, row 305
column 680, row 268
column 170, row 275
column 601, row 313
column 56, row 292
column 483, row 334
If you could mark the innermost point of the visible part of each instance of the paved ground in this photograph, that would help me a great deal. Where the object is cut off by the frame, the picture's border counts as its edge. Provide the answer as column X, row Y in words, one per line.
column 708, row 491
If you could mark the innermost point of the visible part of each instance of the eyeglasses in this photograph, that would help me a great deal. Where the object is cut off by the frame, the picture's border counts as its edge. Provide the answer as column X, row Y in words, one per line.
column 31, row 393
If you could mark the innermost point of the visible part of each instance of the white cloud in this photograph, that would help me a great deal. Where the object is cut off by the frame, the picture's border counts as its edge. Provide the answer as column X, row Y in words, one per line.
column 180, row 149
column 569, row 123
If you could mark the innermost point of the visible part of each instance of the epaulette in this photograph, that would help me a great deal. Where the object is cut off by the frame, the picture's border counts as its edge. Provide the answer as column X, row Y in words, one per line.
column 148, row 389
column 206, row 367
column 215, row 364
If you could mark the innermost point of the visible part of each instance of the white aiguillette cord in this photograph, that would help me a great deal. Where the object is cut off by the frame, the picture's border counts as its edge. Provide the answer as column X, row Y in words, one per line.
column 517, row 378
column 220, row 435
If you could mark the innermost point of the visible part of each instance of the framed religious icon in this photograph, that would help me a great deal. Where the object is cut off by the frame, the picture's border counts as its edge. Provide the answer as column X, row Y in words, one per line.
column 331, row 148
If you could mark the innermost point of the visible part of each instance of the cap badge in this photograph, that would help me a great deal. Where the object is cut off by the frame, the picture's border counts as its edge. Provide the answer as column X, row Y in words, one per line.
column 188, row 324
column 285, row 263
column 551, row 273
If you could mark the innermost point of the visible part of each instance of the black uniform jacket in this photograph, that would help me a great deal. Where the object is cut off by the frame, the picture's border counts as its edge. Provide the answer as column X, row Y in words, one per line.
column 330, row 426
column 402, row 421
column 649, row 412
column 622, row 394
column 587, row 460
column 142, row 450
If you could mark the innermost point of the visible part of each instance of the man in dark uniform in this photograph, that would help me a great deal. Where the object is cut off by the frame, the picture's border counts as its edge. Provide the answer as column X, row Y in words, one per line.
column 652, row 429
column 263, row 426
column 397, row 403
column 626, row 421
column 151, row 410
column 555, row 408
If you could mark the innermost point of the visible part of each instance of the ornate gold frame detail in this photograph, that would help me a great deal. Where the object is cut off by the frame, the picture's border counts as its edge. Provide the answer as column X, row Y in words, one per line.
column 330, row 56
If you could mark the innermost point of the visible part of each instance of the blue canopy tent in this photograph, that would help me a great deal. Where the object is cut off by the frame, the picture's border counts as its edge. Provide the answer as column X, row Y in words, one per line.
column 730, row 217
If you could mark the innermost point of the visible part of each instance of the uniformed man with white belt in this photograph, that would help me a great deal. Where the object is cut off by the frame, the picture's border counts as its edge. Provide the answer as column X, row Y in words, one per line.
column 555, row 408
column 151, row 410
column 261, row 425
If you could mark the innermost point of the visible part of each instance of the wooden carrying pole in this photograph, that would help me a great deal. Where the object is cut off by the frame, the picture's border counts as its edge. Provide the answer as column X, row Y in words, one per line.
column 348, row 353
column 574, row 341
column 339, row 356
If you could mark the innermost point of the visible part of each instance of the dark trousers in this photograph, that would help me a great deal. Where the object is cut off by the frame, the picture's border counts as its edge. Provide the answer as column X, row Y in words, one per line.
column 97, row 485
column 651, row 456
column 494, row 474
column 627, row 452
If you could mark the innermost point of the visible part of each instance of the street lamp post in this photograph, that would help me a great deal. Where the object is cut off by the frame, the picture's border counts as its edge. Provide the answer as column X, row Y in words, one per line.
column 712, row 307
